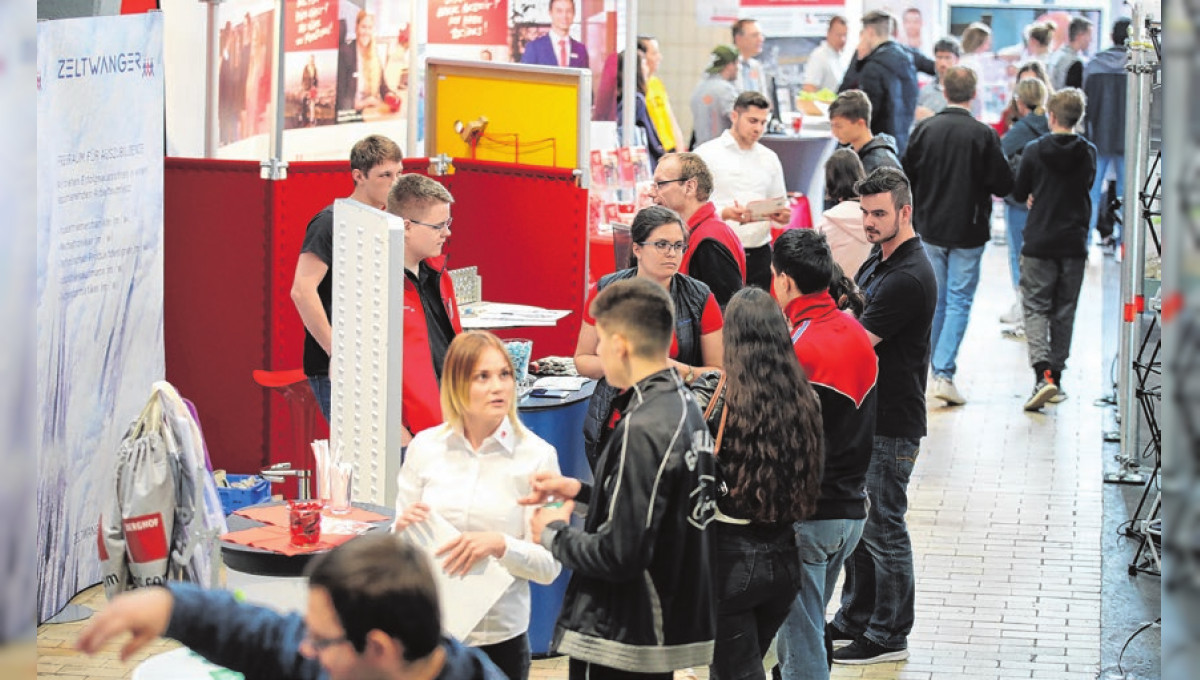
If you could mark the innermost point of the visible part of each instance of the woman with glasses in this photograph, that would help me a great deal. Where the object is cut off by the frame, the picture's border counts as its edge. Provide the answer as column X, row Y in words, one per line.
column 471, row 470
column 659, row 240
column 770, row 452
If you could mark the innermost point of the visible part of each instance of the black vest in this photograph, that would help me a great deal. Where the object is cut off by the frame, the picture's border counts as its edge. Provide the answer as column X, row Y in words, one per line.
column 688, row 296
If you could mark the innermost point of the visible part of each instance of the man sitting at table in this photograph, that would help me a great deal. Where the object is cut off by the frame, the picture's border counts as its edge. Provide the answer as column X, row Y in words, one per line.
column 372, row 613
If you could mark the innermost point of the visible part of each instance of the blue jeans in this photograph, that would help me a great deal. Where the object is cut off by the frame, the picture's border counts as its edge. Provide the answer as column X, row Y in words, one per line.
column 1015, row 218
column 323, row 390
column 824, row 544
column 877, row 597
column 1103, row 163
column 758, row 576
column 957, row 274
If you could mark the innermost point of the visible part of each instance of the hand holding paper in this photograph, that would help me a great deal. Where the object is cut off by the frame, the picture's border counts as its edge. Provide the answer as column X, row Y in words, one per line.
column 769, row 208
column 464, row 551
column 414, row 514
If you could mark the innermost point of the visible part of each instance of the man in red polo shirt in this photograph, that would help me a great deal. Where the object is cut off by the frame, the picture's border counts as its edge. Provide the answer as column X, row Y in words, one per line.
column 714, row 255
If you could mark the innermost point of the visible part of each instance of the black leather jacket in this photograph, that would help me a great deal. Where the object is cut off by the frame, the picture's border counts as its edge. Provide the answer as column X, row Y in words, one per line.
column 641, row 597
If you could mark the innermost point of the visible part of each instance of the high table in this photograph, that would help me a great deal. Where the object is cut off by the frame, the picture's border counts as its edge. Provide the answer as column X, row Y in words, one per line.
column 803, row 157
column 560, row 423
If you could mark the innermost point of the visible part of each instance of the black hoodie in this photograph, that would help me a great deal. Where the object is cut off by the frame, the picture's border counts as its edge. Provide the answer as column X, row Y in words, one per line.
column 880, row 152
column 889, row 79
column 1058, row 169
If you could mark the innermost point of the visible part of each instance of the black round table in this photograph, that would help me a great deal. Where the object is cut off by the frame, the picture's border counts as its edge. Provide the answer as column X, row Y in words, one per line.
column 261, row 562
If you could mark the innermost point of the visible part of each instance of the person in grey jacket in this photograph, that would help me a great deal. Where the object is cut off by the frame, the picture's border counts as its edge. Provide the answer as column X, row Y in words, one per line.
column 1104, row 85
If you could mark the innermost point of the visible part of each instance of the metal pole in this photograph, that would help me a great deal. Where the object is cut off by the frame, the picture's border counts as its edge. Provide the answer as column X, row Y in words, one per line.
column 629, row 73
column 212, row 85
column 1133, row 238
column 275, row 168
column 416, row 77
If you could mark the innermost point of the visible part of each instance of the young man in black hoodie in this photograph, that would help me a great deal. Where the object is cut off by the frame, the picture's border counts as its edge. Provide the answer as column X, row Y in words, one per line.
column 1055, row 177
column 640, row 602
column 850, row 123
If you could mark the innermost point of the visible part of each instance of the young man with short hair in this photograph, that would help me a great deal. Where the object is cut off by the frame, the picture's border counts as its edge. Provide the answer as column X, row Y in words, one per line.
column 743, row 171
column 640, row 602
column 840, row 362
column 431, row 317
column 897, row 281
column 932, row 98
column 714, row 255
column 1056, row 175
column 850, row 123
column 372, row 613
column 375, row 161
column 557, row 48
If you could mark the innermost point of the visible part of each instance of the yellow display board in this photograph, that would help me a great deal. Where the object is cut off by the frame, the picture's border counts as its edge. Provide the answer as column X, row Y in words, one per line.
column 536, row 115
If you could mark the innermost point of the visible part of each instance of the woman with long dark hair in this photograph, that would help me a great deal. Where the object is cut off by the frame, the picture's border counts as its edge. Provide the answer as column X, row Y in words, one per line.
column 769, row 456
column 659, row 241
column 843, row 223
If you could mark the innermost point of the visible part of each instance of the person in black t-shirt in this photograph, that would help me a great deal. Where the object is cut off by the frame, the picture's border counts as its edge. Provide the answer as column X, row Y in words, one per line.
column 897, row 280
column 375, row 162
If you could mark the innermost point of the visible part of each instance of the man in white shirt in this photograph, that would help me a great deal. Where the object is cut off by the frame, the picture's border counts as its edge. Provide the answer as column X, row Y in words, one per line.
column 748, row 39
column 826, row 65
column 743, row 171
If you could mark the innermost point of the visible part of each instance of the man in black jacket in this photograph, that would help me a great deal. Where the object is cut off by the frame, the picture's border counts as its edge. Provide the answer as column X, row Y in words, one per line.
column 955, row 164
column 372, row 613
column 1056, row 174
column 885, row 72
column 640, row 601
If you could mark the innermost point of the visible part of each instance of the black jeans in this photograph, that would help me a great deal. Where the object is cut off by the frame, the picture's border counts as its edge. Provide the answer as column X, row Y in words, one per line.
column 582, row 670
column 758, row 577
column 511, row 656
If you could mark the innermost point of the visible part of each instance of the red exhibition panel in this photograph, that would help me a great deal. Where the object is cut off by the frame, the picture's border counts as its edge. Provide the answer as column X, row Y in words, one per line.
column 525, row 227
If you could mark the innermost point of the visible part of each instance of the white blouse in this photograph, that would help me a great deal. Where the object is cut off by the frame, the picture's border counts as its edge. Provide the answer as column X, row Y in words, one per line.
column 477, row 490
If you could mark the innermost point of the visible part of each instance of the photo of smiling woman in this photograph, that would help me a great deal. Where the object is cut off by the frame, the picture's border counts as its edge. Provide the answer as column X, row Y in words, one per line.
column 471, row 470
column 659, row 241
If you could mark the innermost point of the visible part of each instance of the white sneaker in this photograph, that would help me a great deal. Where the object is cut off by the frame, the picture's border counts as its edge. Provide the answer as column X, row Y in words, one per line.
column 1014, row 315
column 944, row 389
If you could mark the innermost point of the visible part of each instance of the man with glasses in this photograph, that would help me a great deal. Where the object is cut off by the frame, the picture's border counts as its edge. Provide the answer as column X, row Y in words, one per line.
column 375, row 161
column 372, row 613
column 743, row 171
column 430, row 313
column 714, row 254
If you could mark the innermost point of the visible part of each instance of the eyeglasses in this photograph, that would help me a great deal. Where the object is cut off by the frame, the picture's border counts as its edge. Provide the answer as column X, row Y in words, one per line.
column 435, row 227
column 658, row 183
column 320, row 644
column 664, row 247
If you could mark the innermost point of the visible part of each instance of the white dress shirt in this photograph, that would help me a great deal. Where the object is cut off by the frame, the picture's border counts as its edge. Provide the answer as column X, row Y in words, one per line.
column 477, row 490
column 743, row 175
column 824, row 68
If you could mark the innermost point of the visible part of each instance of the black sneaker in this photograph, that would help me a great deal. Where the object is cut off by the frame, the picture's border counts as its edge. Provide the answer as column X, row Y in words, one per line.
column 1043, row 391
column 862, row 651
column 840, row 639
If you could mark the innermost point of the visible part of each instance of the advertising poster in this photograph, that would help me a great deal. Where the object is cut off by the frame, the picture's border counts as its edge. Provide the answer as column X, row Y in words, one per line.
column 247, row 47
column 792, row 18
column 99, row 274
column 310, row 62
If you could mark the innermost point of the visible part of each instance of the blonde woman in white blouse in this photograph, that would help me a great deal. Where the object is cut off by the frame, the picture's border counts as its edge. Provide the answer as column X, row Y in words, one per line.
column 471, row 470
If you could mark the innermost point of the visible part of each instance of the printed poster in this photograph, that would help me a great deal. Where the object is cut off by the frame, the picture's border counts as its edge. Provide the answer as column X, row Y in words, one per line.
column 99, row 296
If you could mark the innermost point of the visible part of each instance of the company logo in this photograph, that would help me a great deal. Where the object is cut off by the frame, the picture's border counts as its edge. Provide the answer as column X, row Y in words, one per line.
column 102, row 65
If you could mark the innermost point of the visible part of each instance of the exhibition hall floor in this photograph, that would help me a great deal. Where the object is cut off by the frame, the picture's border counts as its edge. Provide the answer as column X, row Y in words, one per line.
column 1007, row 513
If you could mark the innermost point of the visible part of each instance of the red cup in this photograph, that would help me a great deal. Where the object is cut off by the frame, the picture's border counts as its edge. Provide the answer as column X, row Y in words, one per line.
column 304, row 522
column 796, row 123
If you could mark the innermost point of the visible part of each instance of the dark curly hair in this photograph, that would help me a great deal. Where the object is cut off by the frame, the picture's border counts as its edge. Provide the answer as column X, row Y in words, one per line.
column 772, row 451
column 842, row 286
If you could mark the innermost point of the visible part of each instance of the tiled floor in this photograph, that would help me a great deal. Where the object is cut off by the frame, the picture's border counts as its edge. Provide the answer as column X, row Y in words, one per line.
column 1005, row 514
